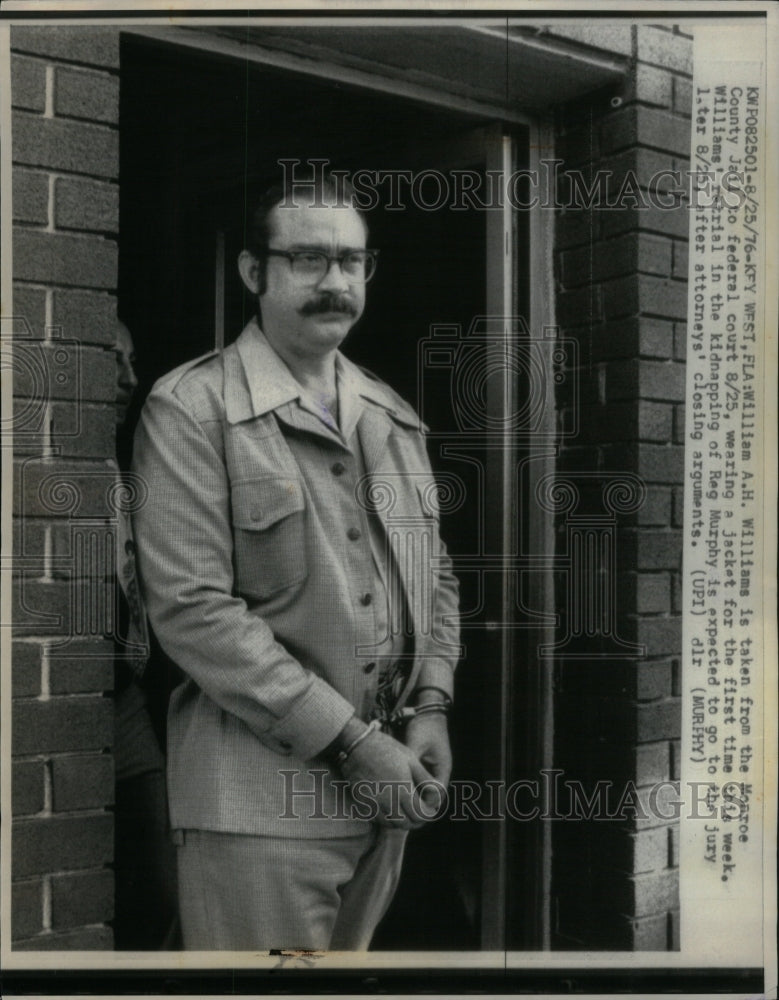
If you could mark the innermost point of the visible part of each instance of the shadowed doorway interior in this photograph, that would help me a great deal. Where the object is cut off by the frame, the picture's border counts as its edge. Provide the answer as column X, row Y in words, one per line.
column 201, row 136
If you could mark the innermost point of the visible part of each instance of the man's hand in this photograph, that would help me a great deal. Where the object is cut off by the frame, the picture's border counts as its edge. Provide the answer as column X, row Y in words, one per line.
column 428, row 737
column 384, row 774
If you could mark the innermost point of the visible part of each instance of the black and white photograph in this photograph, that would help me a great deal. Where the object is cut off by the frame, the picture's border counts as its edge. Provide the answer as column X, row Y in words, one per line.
column 388, row 562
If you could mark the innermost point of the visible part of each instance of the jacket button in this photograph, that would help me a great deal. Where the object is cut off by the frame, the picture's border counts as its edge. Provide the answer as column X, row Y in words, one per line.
column 255, row 513
column 285, row 744
column 338, row 468
column 353, row 534
column 368, row 668
column 366, row 599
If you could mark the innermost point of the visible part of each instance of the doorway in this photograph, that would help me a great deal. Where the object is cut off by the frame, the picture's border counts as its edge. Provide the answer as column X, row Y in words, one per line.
column 201, row 136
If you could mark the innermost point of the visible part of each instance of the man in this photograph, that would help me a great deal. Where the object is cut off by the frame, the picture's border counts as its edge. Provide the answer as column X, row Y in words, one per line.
column 286, row 489
column 144, row 861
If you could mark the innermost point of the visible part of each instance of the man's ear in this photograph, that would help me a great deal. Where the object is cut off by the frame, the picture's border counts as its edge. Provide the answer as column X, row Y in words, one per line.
column 252, row 272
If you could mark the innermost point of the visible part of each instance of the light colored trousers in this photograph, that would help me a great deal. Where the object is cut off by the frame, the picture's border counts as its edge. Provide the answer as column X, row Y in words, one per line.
column 246, row 893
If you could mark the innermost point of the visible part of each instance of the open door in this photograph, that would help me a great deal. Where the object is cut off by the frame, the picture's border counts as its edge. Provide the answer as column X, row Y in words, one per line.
column 440, row 326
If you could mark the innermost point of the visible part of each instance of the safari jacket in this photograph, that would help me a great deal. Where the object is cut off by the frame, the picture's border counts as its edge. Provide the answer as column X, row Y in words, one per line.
column 254, row 562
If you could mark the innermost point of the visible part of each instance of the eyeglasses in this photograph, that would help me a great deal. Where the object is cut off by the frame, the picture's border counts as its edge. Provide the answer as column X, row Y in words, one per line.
column 310, row 266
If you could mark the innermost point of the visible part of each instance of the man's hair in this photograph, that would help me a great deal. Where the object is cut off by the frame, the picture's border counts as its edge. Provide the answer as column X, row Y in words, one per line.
column 321, row 189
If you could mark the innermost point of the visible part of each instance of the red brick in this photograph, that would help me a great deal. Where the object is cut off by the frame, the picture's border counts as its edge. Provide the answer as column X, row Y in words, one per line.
column 636, row 852
column 86, row 431
column 629, row 338
column 89, row 317
column 625, row 422
column 658, row 720
column 644, row 294
column 638, row 895
column 645, row 722
column 673, row 930
column 653, row 593
column 678, row 507
column 88, row 261
column 83, row 782
column 660, row 636
column 64, row 537
column 78, row 900
column 81, row 723
column 682, row 101
column 675, row 757
column 39, row 608
column 646, row 168
column 611, row 38
column 678, row 435
column 26, row 669
column 640, row 126
column 28, row 84
column 644, row 765
column 91, row 45
column 649, row 933
column 659, row 550
column 61, row 843
column 66, row 489
column 26, row 908
column 82, row 939
column 86, row 205
column 30, row 413
column 680, row 341
column 662, row 48
column 653, row 462
column 677, row 595
column 71, row 146
column 654, row 806
column 88, row 373
column 27, row 787
column 654, row 421
column 652, row 763
column 650, row 85
column 604, row 929
column 30, row 308
column 86, row 94
column 680, row 260
column 82, row 667
column 624, row 255
column 668, row 221
column 30, row 196
column 656, row 509
column 653, row 680
column 673, row 847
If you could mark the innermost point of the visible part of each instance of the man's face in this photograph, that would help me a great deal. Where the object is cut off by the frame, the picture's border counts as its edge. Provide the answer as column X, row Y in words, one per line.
column 126, row 381
column 303, row 318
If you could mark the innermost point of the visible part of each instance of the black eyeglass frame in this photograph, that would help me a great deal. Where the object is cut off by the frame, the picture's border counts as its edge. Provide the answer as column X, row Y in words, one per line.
column 292, row 255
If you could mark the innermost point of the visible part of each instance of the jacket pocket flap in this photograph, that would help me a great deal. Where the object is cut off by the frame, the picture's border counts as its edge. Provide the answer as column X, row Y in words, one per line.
column 259, row 503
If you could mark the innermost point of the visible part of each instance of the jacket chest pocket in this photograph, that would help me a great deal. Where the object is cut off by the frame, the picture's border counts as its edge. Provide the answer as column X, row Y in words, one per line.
column 269, row 535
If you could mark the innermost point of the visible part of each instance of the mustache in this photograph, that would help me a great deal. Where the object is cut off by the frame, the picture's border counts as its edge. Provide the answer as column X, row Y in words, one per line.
column 328, row 302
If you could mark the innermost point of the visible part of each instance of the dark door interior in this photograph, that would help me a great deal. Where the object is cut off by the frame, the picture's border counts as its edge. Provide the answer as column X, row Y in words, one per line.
column 200, row 136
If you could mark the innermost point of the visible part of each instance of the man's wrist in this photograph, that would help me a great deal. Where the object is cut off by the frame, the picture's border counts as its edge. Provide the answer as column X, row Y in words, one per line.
column 429, row 695
column 353, row 729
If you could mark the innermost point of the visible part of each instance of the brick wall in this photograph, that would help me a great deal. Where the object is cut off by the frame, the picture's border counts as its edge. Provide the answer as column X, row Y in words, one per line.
column 65, row 94
column 621, row 292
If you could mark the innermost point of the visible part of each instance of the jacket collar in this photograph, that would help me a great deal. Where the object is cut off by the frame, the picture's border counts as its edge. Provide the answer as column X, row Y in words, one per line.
column 257, row 381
